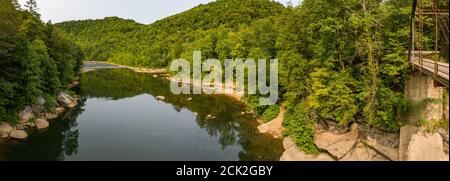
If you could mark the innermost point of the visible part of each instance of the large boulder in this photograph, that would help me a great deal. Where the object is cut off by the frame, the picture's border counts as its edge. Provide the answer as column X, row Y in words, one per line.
column 66, row 100
column 51, row 116
column 336, row 128
column 160, row 98
column 288, row 142
column 26, row 114
column 293, row 153
column 59, row 110
column 19, row 134
column 337, row 145
column 41, row 124
column 74, row 84
column 24, row 126
column 5, row 130
column 426, row 147
column 362, row 152
column 386, row 138
column 38, row 110
column 41, row 101
column 391, row 153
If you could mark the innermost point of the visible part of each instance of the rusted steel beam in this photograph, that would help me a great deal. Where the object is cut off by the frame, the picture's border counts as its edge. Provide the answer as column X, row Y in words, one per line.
column 414, row 7
column 427, row 69
column 430, row 12
column 411, row 30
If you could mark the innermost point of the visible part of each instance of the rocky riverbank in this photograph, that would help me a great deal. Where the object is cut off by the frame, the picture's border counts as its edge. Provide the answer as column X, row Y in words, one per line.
column 359, row 143
column 364, row 144
column 36, row 118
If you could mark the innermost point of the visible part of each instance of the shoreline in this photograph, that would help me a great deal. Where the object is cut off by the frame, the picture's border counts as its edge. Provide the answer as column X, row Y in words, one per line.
column 35, row 118
column 273, row 127
column 162, row 72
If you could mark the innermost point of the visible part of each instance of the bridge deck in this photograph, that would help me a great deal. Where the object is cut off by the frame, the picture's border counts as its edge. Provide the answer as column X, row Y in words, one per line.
column 428, row 68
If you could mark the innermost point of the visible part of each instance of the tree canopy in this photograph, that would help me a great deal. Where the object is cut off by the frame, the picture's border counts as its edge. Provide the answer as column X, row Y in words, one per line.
column 36, row 59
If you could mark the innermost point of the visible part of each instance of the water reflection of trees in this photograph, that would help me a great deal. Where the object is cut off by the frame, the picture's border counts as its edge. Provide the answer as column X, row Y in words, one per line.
column 70, row 131
column 228, row 125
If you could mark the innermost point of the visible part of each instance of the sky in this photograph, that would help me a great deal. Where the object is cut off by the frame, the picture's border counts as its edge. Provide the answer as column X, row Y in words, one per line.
column 142, row 11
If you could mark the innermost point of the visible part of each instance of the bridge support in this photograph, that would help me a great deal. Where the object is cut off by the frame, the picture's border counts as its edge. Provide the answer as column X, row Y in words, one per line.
column 420, row 87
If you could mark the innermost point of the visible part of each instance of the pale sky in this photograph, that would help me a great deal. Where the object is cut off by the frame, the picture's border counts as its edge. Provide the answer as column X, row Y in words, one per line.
column 142, row 11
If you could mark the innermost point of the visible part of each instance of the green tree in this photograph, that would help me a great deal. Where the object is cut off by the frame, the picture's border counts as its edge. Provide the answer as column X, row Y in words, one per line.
column 35, row 59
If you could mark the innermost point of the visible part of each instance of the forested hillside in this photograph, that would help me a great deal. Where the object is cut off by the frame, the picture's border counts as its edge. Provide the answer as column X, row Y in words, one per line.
column 35, row 59
column 340, row 61
column 206, row 27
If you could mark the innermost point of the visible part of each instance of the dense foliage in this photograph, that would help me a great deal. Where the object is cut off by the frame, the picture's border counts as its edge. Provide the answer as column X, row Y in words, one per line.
column 340, row 61
column 35, row 58
column 201, row 28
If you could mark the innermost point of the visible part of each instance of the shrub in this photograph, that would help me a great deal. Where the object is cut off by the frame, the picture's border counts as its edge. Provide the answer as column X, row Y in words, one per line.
column 270, row 113
column 301, row 128
column 391, row 108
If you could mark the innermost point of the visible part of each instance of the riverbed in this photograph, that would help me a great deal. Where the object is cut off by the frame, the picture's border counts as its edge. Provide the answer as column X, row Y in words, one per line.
column 120, row 118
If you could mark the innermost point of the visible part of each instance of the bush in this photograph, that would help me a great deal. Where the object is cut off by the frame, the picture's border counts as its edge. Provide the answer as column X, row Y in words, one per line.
column 50, row 103
column 333, row 96
column 301, row 128
column 391, row 109
column 270, row 113
column 252, row 102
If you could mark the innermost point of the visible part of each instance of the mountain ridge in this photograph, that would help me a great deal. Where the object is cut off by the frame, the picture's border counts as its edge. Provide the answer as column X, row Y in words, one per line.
column 127, row 42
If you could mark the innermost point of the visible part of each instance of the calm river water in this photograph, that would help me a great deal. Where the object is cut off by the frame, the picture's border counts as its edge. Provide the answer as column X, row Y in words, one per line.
column 119, row 118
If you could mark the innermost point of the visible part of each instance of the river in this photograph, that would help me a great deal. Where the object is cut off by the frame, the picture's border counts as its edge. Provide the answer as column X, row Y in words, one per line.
column 119, row 118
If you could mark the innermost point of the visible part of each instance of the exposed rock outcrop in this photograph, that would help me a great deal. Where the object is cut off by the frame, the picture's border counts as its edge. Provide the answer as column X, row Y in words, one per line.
column 41, row 124
column 39, row 108
column 161, row 98
column 5, row 130
column 274, row 127
column 386, row 138
column 338, row 145
column 41, row 101
column 24, row 126
column 74, row 84
column 66, row 100
column 51, row 116
column 293, row 153
column 59, row 110
column 389, row 152
column 426, row 147
column 19, row 134
column 26, row 114
column 362, row 152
